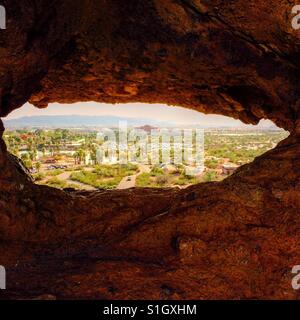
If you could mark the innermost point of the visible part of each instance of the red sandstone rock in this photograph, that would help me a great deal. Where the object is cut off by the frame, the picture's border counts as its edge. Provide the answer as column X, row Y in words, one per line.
column 236, row 239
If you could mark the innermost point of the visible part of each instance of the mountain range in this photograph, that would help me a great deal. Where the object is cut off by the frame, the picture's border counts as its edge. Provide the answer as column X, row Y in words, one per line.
column 75, row 121
column 84, row 121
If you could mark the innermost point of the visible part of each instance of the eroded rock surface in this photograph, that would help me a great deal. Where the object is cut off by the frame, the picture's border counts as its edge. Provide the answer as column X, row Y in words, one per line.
column 234, row 239
column 238, row 58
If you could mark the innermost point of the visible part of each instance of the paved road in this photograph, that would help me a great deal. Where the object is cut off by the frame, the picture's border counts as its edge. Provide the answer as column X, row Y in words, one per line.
column 130, row 181
column 127, row 183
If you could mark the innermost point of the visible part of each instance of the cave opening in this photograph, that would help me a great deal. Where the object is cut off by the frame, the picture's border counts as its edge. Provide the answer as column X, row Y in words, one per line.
column 79, row 147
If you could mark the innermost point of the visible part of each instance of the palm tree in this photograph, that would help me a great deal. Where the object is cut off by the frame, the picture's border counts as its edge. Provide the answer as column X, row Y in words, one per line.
column 79, row 156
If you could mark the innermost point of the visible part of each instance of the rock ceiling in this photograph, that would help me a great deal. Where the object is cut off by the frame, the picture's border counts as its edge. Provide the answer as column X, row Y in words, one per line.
column 236, row 58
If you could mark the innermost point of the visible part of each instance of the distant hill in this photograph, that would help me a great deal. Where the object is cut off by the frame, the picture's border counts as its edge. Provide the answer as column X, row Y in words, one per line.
column 75, row 121
column 83, row 121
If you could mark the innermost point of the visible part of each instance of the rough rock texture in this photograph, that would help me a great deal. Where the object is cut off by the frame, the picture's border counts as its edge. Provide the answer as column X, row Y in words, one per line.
column 234, row 239
column 237, row 58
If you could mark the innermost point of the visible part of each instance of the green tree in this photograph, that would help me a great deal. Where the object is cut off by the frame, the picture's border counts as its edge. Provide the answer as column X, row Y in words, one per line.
column 38, row 166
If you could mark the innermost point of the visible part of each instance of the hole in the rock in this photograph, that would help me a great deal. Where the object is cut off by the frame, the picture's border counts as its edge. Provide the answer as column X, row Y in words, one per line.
column 82, row 146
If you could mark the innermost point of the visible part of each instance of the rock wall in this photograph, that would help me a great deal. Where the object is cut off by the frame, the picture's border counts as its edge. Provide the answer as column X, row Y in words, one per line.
column 233, row 239
column 238, row 58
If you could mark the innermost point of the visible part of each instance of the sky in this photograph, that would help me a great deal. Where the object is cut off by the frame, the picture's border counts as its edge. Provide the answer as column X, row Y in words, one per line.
column 177, row 115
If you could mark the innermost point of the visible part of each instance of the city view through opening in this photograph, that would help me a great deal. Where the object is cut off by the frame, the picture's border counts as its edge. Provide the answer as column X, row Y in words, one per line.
column 80, row 146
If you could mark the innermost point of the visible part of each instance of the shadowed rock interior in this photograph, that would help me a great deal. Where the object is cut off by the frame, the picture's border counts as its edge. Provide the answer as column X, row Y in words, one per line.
column 234, row 239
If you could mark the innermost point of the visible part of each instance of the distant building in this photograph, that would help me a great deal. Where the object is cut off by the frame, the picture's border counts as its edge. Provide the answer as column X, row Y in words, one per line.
column 103, row 158
column 147, row 128
column 50, row 161
column 87, row 160
column 23, row 147
column 229, row 168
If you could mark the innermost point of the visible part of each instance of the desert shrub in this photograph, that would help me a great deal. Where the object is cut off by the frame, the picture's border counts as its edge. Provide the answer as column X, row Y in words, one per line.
column 162, row 180
column 156, row 171
column 209, row 176
column 110, row 171
column 211, row 164
column 55, row 172
column 39, row 176
column 56, row 183
column 143, row 180
column 103, row 177
column 185, row 180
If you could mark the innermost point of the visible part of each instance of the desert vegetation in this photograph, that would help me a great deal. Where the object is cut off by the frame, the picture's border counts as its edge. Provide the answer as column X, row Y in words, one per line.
column 67, row 158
